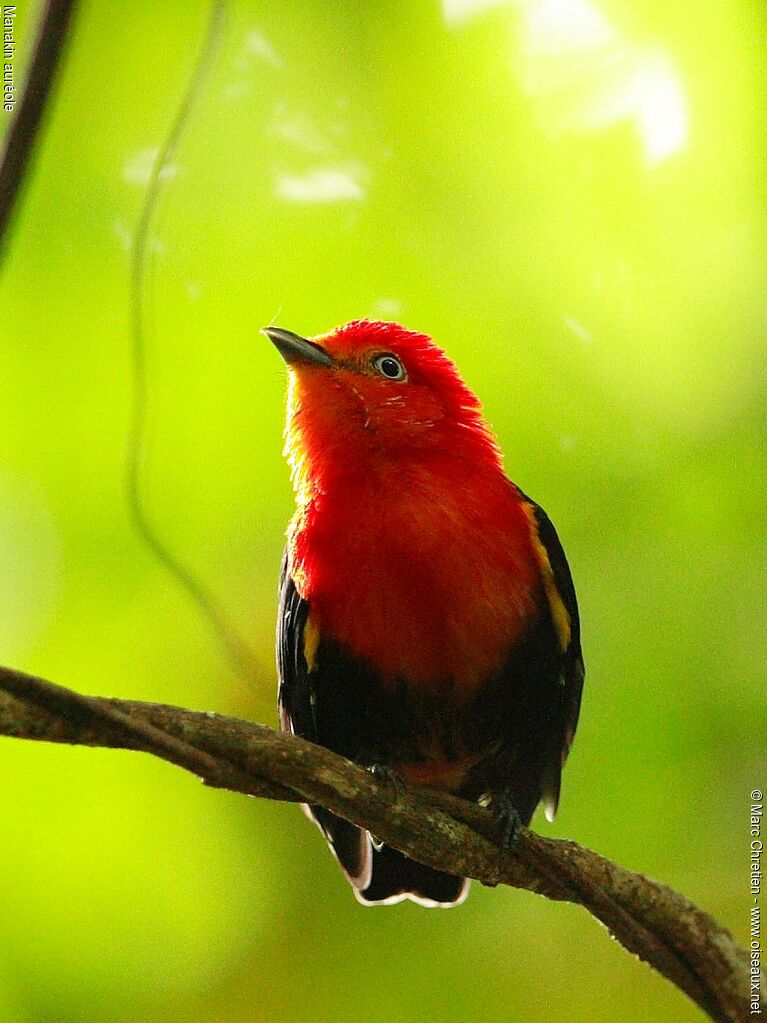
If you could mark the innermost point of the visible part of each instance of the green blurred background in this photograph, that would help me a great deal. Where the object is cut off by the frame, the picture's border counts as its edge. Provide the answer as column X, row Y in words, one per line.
column 570, row 196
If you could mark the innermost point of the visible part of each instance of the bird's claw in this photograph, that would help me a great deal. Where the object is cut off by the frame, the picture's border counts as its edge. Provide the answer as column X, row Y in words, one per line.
column 510, row 823
column 386, row 775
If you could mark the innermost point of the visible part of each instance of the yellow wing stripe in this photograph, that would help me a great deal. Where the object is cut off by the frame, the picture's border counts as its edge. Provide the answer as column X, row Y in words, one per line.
column 311, row 642
column 559, row 614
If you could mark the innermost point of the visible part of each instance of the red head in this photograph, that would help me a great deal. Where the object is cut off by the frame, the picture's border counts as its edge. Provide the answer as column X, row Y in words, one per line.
column 371, row 393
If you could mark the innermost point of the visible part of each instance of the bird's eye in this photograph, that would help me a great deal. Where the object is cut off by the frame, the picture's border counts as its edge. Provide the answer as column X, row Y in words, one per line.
column 389, row 366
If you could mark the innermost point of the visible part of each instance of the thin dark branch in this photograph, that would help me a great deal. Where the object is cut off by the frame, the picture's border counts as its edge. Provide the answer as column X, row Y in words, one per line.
column 20, row 142
column 651, row 920
column 190, row 582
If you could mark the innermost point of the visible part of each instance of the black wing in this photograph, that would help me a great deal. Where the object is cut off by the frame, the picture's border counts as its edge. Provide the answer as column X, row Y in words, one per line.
column 297, row 705
column 294, row 697
column 573, row 669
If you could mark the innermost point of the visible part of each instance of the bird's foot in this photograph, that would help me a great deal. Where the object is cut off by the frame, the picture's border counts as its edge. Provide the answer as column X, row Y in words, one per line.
column 510, row 822
column 383, row 773
column 387, row 776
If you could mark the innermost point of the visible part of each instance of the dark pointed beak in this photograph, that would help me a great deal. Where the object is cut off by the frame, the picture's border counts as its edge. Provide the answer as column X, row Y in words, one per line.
column 294, row 348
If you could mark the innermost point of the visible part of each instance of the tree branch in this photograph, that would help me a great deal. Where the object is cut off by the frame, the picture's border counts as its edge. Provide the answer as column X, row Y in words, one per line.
column 651, row 920
column 22, row 135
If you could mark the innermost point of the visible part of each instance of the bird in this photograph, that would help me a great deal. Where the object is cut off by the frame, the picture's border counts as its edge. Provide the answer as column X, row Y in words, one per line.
column 428, row 625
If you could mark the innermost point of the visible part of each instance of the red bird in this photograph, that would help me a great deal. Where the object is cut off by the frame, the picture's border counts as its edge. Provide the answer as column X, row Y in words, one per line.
column 428, row 624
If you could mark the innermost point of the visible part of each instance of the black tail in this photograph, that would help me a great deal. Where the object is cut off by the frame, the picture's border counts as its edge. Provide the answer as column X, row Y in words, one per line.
column 395, row 877
column 381, row 875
